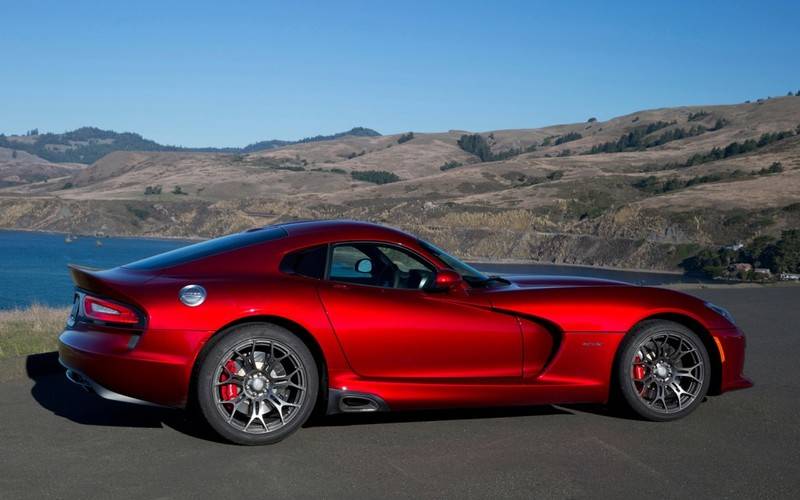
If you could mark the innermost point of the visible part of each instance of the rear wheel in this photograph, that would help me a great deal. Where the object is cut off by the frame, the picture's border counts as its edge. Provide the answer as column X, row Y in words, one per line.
column 257, row 384
column 663, row 371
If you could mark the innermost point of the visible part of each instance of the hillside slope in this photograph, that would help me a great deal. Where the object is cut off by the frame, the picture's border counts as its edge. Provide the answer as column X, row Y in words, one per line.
column 642, row 190
column 88, row 144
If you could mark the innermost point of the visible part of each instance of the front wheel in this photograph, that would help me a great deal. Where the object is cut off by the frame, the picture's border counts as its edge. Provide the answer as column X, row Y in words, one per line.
column 257, row 384
column 663, row 372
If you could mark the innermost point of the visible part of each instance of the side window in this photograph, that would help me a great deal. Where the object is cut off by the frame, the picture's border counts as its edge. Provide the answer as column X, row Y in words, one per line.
column 379, row 265
column 309, row 262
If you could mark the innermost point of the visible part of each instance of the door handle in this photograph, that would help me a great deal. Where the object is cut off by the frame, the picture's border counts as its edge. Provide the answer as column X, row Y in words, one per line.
column 340, row 286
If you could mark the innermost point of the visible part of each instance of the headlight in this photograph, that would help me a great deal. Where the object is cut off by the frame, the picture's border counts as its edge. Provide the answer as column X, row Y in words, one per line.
column 721, row 311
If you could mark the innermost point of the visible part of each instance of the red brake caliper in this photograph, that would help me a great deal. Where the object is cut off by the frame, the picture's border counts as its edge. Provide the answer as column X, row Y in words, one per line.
column 638, row 370
column 228, row 391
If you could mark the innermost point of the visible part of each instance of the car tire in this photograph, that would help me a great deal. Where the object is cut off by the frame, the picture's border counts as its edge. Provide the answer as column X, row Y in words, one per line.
column 244, row 388
column 663, row 371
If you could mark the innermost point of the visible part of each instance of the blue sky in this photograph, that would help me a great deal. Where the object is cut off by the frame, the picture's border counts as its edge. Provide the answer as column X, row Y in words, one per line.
column 231, row 73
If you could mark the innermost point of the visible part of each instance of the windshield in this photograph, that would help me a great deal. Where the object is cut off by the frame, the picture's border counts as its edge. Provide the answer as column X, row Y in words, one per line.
column 467, row 272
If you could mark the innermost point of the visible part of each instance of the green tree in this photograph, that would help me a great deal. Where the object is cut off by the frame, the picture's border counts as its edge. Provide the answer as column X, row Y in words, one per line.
column 784, row 256
column 752, row 253
column 706, row 262
column 476, row 144
column 569, row 137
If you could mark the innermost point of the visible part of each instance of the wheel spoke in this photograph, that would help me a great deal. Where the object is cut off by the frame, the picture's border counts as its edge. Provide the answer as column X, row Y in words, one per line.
column 686, row 373
column 254, row 406
column 229, row 381
column 235, row 408
column 288, row 383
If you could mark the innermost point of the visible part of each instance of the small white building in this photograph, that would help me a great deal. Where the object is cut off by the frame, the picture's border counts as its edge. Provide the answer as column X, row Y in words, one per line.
column 735, row 247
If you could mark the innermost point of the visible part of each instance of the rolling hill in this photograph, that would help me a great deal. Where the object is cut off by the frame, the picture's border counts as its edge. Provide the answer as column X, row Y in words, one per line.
column 644, row 190
column 89, row 144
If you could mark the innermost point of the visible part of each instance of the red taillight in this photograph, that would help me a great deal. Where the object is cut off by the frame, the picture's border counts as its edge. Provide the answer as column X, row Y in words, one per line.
column 111, row 312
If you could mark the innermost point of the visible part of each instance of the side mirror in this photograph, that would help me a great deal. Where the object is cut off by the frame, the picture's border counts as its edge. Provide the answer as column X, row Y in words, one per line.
column 446, row 279
column 364, row 266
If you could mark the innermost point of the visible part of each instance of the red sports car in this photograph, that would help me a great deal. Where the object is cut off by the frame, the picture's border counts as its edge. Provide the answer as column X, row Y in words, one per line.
column 258, row 328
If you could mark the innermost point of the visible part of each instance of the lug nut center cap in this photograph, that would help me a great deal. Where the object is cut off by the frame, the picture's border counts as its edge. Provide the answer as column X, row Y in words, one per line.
column 258, row 384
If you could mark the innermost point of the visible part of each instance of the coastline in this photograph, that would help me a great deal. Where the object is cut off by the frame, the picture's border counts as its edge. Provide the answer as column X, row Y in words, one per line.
column 192, row 239
column 485, row 261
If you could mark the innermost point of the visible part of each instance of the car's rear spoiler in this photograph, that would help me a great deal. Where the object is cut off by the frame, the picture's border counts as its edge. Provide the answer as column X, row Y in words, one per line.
column 94, row 280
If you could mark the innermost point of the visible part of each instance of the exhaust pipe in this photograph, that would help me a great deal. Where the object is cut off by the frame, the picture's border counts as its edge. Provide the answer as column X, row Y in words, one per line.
column 77, row 378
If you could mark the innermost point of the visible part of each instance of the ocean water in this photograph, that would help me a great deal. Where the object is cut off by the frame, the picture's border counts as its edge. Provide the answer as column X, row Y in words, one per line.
column 33, row 266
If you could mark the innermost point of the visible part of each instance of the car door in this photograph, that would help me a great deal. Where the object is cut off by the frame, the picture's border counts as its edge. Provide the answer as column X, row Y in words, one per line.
column 391, row 327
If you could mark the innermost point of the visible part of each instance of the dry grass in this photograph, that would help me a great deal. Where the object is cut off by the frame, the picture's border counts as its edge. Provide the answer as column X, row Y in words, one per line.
column 31, row 330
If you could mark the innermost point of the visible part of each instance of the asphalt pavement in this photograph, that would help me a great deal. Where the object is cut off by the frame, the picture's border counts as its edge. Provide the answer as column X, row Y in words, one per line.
column 57, row 441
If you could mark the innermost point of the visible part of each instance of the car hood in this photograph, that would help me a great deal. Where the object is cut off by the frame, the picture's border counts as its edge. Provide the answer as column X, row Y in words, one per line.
column 528, row 281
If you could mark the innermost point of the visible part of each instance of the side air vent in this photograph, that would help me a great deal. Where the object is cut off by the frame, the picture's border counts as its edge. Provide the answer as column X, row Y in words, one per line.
column 354, row 402
column 357, row 404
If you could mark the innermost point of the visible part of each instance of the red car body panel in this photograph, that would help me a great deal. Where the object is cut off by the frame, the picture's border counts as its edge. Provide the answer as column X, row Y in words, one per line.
column 539, row 340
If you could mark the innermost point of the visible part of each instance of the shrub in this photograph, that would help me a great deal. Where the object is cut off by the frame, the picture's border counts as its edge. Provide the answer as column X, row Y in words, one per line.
column 775, row 168
column 67, row 185
column 794, row 207
column 139, row 213
column 178, row 190
column 591, row 120
column 693, row 117
column 405, row 138
column 721, row 122
column 375, row 176
column 152, row 190
column 449, row 165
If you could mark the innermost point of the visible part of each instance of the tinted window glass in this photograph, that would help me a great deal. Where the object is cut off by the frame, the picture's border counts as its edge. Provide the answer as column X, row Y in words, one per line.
column 379, row 265
column 207, row 249
column 343, row 265
column 309, row 262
